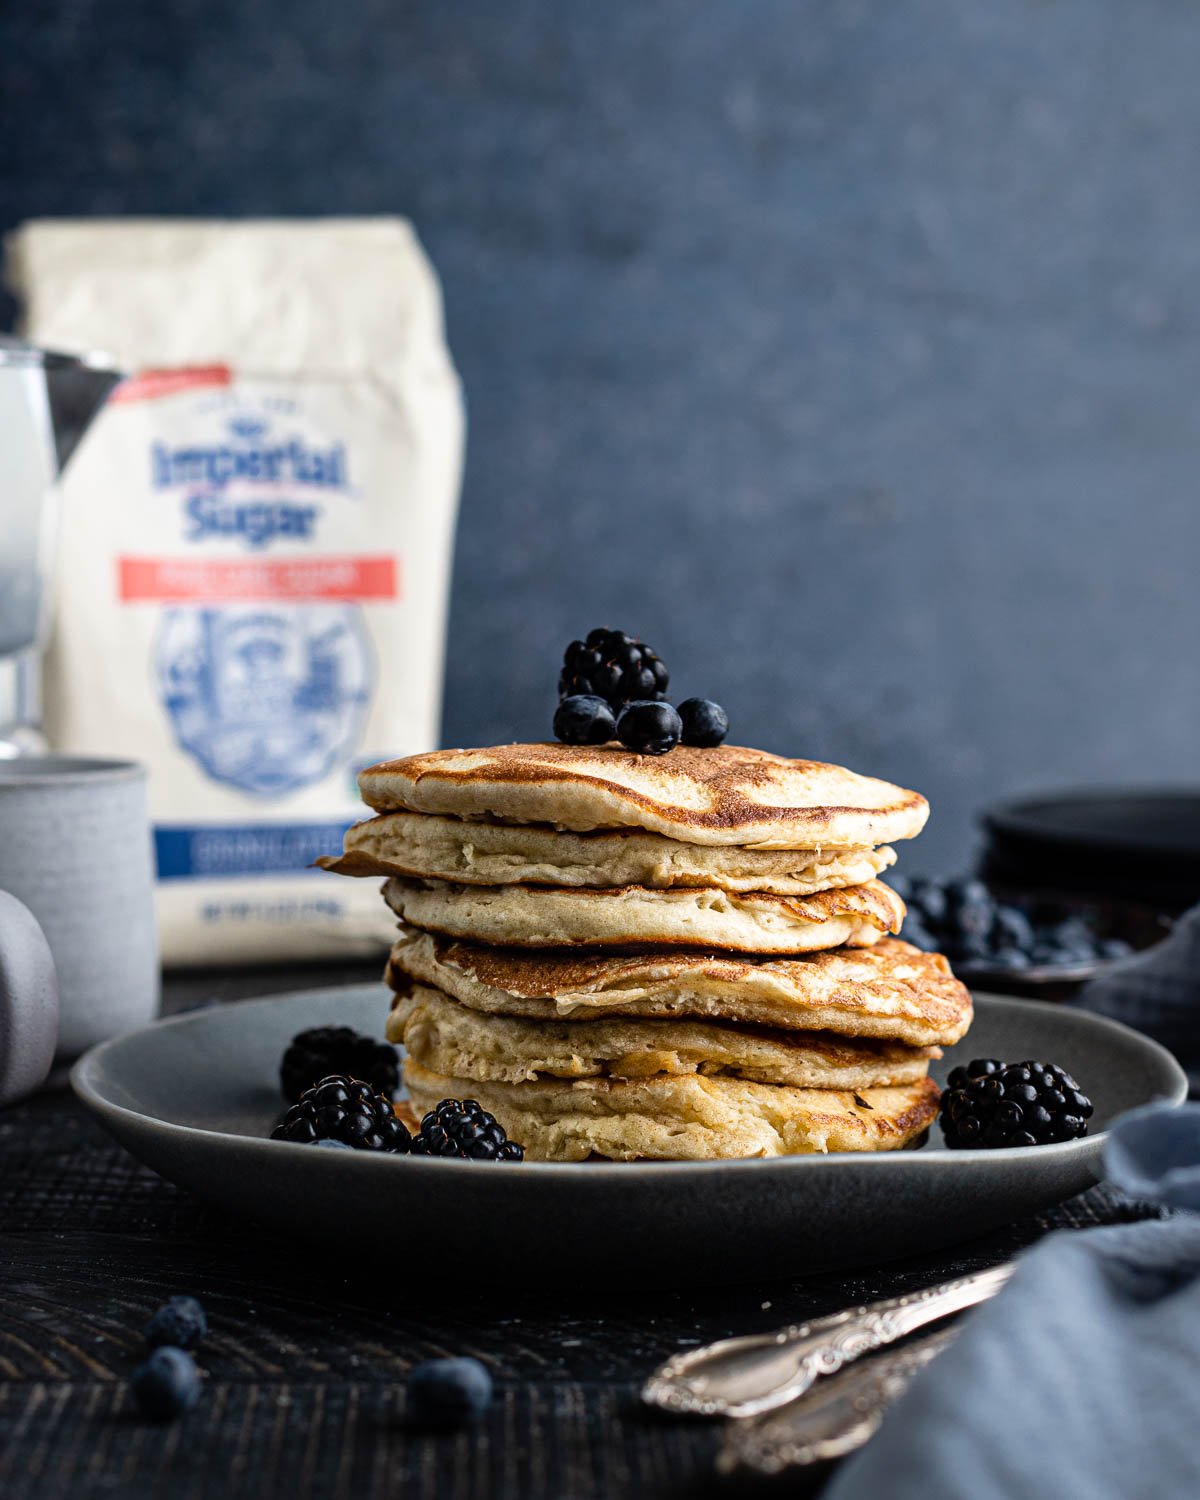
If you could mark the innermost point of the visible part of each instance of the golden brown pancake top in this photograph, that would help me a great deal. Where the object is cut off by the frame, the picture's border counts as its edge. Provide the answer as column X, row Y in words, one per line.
column 726, row 795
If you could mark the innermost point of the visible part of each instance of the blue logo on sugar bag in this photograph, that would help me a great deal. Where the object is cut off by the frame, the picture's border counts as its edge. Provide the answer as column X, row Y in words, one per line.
column 266, row 698
column 249, row 458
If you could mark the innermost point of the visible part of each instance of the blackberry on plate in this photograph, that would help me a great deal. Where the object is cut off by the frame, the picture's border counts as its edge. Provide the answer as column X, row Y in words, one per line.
column 447, row 1392
column 584, row 719
column 649, row 728
column 704, row 722
column 347, row 1110
column 325, row 1050
column 180, row 1321
column 166, row 1385
column 466, row 1130
column 613, row 666
column 989, row 1104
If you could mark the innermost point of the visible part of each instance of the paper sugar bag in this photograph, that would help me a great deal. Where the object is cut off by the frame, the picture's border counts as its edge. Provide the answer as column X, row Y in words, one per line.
column 254, row 548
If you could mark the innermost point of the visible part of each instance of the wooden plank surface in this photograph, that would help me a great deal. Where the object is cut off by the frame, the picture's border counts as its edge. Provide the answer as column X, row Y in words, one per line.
column 305, row 1364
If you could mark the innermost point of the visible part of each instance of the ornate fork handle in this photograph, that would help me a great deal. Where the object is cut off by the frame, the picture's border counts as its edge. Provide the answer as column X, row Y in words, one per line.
column 833, row 1420
column 742, row 1377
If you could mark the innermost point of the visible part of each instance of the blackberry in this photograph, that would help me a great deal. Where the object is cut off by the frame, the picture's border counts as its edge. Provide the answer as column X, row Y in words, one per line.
column 613, row 666
column 347, row 1110
column 447, row 1392
column 325, row 1050
column 705, row 723
column 167, row 1385
column 180, row 1321
column 649, row 728
column 584, row 719
column 464, row 1129
column 990, row 1103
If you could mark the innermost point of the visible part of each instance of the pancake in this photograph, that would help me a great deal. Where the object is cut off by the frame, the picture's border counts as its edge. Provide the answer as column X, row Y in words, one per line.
column 531, row 916
column 686, row 1118
column 427, row 847
column 720, row 796
column 891, row 991
column 446, row 1037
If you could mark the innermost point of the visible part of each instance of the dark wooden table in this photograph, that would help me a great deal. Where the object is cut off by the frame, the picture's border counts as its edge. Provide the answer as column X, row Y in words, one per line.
column 306, row 1359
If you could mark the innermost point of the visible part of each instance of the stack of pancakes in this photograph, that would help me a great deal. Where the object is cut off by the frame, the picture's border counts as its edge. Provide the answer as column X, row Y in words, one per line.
column 680, row 957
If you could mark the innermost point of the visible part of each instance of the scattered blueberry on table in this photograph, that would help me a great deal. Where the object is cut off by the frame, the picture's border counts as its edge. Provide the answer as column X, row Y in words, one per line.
column 963, row 920
column 180, row 1322
column 615, row 687
column 449, row 1392
column 166, row 1385
column 991, row 1104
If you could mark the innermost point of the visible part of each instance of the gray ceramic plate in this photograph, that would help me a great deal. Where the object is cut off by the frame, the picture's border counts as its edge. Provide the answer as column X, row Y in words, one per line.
column 195, row 1098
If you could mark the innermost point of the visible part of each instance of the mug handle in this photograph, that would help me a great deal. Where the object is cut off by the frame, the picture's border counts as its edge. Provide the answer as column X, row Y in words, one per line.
column 28, row 1001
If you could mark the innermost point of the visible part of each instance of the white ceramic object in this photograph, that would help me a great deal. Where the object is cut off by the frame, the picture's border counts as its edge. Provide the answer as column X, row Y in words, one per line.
column 28, row 1001
column 75, row 849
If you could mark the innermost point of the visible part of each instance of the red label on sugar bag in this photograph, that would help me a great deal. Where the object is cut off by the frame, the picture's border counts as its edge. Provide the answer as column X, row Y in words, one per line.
column 167, row 580
column 151, row 384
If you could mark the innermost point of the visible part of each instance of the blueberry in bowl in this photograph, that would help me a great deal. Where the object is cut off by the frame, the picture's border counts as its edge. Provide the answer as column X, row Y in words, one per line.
column 1031, row 945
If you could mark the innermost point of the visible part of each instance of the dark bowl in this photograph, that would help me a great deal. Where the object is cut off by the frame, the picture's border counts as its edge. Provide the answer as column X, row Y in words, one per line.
column 1125, row 844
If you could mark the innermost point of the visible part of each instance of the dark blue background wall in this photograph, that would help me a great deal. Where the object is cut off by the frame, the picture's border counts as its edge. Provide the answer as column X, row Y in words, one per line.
column 850, row 353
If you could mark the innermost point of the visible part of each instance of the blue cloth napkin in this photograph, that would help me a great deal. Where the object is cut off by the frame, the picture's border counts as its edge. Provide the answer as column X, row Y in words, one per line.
column 1081, row 1380
column 1158, row 992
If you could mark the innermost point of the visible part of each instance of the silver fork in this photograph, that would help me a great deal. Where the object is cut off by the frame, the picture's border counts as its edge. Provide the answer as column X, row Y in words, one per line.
column 742, row 1377
column 840, row 1415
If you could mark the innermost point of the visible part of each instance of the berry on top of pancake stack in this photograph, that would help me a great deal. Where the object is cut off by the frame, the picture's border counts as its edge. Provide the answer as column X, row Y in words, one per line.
column 637, row 941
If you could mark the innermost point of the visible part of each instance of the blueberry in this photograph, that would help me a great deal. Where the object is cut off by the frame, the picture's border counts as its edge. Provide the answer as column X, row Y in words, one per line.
column 584, row 720
column 1063, row 945
column 447, row 1392
column 704, row 723
column 1009, row 958
column 970, row 947
column 331, row 1145
column 167, row 1385
column 902, row 886
column 915, row 932
column 930, row 900
column 967, row 893
column 1114, row 948
column 1011, row 928
column 974, row 918
column 1075, row 936
column 649, row 728
column 179, row 1321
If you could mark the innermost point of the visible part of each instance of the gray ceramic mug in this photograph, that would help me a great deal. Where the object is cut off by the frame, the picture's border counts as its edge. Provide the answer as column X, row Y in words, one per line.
column 76, row 853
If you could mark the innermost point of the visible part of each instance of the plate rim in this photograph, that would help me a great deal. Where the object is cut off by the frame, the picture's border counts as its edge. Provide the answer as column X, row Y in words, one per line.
column 104, row 1108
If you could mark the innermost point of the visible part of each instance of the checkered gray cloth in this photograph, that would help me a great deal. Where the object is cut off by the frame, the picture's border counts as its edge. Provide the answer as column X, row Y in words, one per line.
column 1158, row 992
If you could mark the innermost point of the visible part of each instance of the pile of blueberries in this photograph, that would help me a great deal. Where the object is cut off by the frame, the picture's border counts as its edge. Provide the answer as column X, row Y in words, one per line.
column 962, row 919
